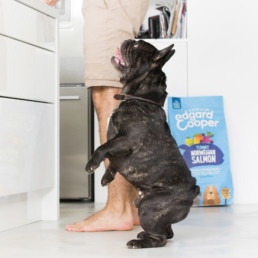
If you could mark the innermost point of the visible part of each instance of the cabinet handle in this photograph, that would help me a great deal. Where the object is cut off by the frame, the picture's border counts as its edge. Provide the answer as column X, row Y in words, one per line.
column 69, row 97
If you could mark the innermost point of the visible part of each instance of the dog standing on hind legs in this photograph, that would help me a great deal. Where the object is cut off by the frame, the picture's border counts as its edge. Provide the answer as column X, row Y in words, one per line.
column 141, row 148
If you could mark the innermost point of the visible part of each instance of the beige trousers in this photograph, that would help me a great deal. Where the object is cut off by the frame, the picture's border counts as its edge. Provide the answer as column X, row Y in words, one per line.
column 107, row 23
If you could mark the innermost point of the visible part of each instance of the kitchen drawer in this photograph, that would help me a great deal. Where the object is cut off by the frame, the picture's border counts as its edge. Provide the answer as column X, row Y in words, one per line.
column 26, row 71
column 26, row 146
column 26, row 24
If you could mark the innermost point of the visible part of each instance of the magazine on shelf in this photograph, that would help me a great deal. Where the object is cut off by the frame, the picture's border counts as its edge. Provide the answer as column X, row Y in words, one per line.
column 179, row 21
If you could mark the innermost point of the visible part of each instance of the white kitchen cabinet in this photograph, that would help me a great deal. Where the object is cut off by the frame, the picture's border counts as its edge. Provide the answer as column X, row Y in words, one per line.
column 29, row 113
column 27, row 146
column 27, row 72
column 20, row 20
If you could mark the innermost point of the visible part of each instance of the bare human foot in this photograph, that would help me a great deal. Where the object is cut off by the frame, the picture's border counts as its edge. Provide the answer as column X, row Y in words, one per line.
column 106, row 220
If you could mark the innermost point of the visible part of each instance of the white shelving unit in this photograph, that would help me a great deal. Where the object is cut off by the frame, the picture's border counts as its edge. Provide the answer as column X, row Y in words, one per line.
column 29, row 113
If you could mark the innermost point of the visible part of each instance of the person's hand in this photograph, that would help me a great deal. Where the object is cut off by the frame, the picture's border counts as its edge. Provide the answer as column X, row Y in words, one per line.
column 50, row 2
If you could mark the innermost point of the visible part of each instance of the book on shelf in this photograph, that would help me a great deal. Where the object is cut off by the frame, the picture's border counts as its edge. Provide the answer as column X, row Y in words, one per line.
column 179, row 29
column 154, row 27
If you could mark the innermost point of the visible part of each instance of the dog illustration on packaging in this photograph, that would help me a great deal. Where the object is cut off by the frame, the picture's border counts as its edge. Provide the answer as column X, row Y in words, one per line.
column 211, row 196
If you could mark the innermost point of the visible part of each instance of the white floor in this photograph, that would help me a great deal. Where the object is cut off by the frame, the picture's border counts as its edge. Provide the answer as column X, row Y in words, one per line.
column 206, row 232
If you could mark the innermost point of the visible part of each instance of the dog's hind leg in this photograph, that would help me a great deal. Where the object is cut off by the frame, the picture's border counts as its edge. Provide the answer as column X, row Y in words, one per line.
column 108, row 176
column 147, row 240
column 156, row 216
column 155, row 229
column 168, row 233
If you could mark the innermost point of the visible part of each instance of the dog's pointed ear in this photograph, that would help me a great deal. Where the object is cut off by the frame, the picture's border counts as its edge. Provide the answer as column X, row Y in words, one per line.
column 163, row 56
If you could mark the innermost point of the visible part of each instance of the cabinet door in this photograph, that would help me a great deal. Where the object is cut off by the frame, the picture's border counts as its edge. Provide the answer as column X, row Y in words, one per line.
column 26, row 146
column 26, row 24
column 74, row 142
column 26, row 71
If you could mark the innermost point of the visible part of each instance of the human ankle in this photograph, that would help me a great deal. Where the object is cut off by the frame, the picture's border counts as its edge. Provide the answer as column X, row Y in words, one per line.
column 124, row 210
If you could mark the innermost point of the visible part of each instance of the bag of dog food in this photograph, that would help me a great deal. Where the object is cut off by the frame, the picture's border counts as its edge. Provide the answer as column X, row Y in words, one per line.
column 199, row 128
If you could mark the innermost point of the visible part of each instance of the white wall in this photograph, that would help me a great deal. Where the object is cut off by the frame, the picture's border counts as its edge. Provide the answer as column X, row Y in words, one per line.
column 223, row 60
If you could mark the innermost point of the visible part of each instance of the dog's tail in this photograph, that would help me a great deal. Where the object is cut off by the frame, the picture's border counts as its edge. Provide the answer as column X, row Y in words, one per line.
column 196, row 191
column 195, row 188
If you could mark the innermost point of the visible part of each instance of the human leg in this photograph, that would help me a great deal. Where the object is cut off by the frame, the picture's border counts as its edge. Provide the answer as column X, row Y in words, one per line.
column 107, row 24
column 121, row 193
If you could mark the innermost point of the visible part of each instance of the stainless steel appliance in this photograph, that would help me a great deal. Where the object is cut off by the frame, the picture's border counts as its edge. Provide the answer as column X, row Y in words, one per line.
column 76, row 112
column 75, row 141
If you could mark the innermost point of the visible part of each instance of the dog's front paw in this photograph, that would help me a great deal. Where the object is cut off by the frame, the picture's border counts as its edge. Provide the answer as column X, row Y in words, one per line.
column 106, row 179
column 108, row 176
column 91, row 166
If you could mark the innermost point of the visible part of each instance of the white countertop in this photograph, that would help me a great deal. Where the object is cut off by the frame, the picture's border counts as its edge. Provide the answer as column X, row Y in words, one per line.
column 40, row 6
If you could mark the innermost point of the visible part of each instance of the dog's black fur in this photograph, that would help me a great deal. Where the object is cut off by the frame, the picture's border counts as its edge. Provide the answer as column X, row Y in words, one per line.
column 140, row 146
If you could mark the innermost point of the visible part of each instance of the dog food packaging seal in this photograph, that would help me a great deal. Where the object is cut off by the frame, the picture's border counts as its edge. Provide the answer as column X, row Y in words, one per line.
column 199, row 128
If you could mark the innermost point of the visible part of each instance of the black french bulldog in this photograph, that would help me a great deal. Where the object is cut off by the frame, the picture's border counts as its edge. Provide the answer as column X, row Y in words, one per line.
column 140, row 146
